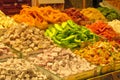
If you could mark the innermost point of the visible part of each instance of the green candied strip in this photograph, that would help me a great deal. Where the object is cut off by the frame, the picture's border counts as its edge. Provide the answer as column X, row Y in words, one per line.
column 64, row 24
column 66, row 30
column 82, row 36
column 68, row 44
column 73, row 25
column 69, row 34
column 53, row 30
column 60, row 36
column 84, row 30
column 48, row 33
column 95, row 37
column 69, row 37
column 77, row 40
column 72, row 45
column 56, row 40
column 58, row 27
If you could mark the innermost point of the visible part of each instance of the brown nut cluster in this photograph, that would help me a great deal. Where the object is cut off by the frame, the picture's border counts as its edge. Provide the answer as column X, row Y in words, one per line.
column 76, row 16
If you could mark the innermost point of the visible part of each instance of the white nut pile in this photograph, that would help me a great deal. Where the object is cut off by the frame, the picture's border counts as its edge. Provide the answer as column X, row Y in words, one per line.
column 25, row 38
column 6, row 52
column 6, row 21
column 20, row 69
column 115, row 24
column 61, row 61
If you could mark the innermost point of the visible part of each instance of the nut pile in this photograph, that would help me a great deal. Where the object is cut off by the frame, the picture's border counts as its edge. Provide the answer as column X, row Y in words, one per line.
column 77, row 16
column 93, row 14
column 61, row 61
column 115, row 24
column 6, row 21
column 25, row 39
column 5, row 52
column 20, row 69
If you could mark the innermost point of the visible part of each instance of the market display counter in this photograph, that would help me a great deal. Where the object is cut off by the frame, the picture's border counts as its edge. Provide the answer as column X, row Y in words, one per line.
column 71, row 44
